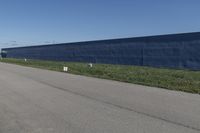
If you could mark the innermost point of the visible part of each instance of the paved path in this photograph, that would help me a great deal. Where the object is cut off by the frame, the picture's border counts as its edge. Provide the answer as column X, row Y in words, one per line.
column 41, row 101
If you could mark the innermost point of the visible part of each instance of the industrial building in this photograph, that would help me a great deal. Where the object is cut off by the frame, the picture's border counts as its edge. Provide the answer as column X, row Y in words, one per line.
column 179, row 51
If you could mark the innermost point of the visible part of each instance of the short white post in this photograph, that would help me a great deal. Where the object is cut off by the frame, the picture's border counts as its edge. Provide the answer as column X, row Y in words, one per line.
column 65, row 69
column 90, row 65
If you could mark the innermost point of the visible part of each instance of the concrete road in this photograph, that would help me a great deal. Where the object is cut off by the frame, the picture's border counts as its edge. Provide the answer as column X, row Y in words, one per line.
column 41, row 101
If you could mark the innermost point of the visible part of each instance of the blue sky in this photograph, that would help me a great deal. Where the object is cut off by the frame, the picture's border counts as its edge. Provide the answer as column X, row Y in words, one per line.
column 35, row 22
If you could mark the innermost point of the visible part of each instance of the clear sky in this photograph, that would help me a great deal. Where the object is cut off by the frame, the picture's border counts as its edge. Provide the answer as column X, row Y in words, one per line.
column 35, row 22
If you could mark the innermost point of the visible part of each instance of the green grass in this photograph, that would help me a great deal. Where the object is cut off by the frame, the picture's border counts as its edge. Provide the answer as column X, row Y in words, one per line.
column 180, row 80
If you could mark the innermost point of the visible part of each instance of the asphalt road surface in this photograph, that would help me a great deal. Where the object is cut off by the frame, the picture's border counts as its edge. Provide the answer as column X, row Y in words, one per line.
column 41, row 101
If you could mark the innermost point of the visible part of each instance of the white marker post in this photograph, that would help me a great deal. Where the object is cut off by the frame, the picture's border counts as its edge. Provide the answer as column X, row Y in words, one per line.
column 65, row 69
column 90, row 65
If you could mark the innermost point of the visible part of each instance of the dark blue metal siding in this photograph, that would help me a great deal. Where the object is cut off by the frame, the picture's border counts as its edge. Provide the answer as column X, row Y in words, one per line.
column 171, row 51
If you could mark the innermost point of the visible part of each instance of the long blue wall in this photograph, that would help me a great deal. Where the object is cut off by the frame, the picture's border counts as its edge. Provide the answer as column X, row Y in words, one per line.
column 181, row 51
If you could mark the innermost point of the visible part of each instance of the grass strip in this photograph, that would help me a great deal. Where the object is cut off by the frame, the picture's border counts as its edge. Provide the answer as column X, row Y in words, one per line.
column 180, row 80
